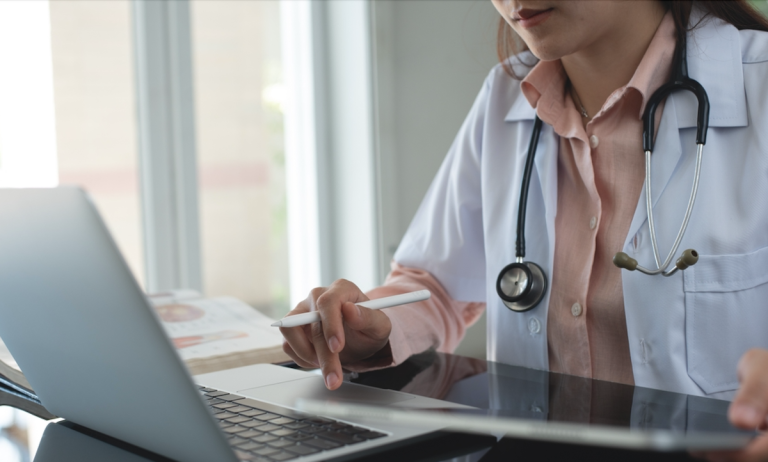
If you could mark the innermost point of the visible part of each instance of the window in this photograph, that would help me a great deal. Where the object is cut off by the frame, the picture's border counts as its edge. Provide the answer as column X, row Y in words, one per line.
column 238, row 92
column 94, row 95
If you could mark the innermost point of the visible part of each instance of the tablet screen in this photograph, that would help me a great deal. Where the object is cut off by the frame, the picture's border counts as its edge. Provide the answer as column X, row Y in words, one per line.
column 515, row 394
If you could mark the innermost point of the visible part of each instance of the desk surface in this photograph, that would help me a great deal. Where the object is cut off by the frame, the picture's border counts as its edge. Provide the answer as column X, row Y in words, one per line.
column 25, row 437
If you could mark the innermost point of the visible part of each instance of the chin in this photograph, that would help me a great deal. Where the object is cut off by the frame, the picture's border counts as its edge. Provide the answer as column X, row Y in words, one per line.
column 553, row 46
column 547, row 53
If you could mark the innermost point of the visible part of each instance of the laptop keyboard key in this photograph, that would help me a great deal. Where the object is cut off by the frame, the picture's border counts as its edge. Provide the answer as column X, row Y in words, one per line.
column 312, row 430
column 230, row 397
column 250, row 434
column 224, row 405
column 338, row 426
column 239, row 409
column 281, row 443
column 283, row 456
column 341, row 438
column 354, row 430
column 234, row 429
column 296, row 425
column 238, row 419
column 267, row 427
column 264, row 438
column 252, row 412
column 235, row 440
column 214, row 394
column 370, row 435
column 282, row 421
column 252, row 423
column 265, row 451
column 302, row 449
column 267, row 416
column 283, row 432
column 250, row 446
column 321, row 444
column 299, row 437
column 242, row 455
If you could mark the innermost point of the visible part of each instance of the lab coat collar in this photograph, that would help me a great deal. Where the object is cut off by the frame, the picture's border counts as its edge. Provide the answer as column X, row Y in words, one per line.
column 520, row 110
column 714, row 59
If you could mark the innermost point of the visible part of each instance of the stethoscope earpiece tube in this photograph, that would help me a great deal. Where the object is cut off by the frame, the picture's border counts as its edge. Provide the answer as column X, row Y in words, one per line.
column 528, row 170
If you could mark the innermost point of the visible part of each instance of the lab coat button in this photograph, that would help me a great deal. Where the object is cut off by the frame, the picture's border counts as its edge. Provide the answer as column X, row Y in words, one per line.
column 592, row 222
column 534, row 326
column 594, row 141
column 576, row 310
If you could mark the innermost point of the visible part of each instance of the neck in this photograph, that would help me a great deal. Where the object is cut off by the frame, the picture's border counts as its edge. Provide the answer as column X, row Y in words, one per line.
column 609, row 63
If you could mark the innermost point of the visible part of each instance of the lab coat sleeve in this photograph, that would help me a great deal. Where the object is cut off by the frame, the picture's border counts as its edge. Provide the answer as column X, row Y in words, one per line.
column 445, row 237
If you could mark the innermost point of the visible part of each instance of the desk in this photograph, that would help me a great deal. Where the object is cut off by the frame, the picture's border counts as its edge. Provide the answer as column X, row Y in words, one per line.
column 453, row 378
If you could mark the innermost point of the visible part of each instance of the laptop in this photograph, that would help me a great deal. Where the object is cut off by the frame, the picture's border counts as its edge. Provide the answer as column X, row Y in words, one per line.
column 93, row 349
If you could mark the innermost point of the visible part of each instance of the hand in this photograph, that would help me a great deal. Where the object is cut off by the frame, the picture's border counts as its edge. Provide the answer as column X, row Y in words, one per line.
column 749, row 409
column 346, row 334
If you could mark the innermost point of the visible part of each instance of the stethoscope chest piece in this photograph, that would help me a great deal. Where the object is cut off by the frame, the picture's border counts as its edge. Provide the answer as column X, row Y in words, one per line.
column 521, row 286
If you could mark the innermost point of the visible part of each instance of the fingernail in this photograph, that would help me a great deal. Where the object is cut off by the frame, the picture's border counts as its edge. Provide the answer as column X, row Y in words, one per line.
column 359, row 312
column 334, row 344
column 330, row 379
column 745, row 413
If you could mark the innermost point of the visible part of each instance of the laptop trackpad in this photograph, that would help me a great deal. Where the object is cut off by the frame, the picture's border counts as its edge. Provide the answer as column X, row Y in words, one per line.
column 287, row 393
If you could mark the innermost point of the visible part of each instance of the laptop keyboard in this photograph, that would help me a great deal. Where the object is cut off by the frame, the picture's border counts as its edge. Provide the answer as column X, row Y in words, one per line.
column 260, row 435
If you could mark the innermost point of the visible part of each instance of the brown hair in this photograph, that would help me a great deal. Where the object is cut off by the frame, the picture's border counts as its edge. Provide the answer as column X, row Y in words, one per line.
column 737, row 12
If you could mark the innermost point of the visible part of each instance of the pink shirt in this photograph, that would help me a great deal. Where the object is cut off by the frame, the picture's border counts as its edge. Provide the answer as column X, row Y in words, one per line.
column 600, row 177
column 599, row 180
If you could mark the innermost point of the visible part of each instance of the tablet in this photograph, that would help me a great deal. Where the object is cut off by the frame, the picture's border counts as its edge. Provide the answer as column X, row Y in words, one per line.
column 544, row 406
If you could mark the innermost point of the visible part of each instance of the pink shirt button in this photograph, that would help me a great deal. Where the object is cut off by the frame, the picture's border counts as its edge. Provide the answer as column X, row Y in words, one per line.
column 594, row 141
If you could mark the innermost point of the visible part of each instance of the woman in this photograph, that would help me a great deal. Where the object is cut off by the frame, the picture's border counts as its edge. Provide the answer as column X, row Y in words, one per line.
column 598, row 64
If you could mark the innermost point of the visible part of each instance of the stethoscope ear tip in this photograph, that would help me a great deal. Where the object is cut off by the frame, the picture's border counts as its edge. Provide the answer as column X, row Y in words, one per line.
column 688, row 258
column 624, row 261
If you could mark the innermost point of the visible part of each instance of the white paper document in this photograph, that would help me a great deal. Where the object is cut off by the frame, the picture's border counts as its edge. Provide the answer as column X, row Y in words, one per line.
column 201, row 328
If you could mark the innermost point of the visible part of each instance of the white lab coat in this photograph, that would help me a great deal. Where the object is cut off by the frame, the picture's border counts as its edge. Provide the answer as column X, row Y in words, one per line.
column 686, row 332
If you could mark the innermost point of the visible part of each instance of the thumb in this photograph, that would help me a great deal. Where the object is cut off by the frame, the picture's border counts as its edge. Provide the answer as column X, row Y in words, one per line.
column 749, row 408
column 365, row 320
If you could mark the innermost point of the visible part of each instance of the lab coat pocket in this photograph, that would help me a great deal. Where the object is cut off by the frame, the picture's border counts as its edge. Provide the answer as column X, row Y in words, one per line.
column 726, row 314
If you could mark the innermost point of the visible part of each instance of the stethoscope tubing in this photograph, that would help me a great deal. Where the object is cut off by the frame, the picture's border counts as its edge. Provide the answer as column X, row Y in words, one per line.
column 526, row 298
column 662, row 269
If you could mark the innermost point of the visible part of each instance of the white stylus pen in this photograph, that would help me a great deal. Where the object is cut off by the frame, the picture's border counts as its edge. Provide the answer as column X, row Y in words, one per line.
column 377, row 304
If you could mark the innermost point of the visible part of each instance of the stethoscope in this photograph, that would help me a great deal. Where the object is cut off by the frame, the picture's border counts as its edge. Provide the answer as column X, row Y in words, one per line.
column 523, row 284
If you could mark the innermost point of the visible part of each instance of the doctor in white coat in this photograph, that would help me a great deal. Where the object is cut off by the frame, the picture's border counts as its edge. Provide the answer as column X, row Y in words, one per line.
column 686, row 333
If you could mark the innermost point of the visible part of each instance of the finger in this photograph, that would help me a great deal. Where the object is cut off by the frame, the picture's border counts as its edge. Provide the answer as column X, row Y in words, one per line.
column 750, row 406
column 299, row 341
column 373, row 323
column 329, row 361
column 756, row 451
column 329, row 305
column 299, row 337
column 296, row 358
